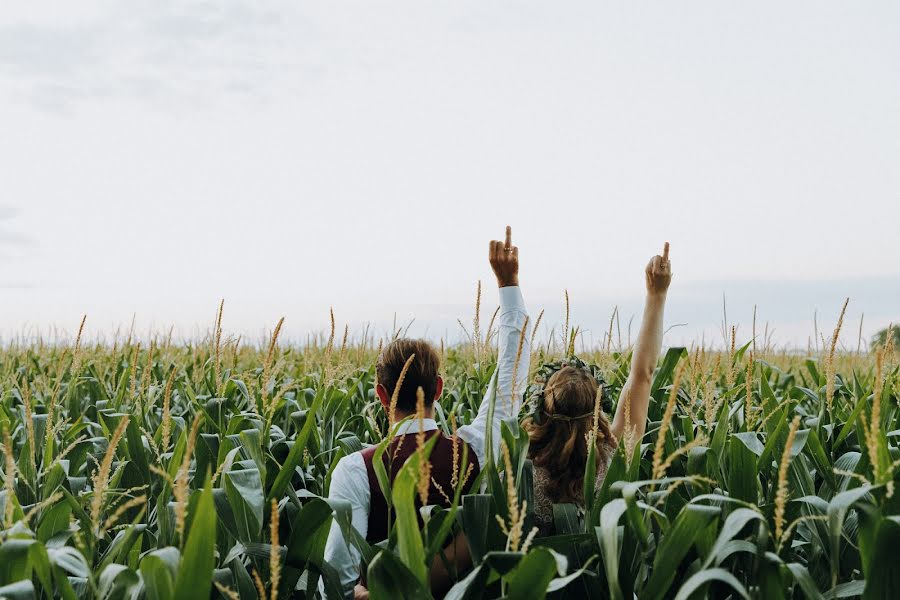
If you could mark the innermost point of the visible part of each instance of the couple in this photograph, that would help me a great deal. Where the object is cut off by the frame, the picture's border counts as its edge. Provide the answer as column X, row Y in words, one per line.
column 558, row 438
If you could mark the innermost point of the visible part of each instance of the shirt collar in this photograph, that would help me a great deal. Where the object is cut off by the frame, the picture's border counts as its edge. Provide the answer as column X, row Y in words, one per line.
column 412, row 426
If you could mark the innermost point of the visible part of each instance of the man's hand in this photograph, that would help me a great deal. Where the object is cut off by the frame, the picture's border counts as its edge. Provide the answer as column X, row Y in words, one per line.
column 360, row 592
column 504, row 259
column 659, row 273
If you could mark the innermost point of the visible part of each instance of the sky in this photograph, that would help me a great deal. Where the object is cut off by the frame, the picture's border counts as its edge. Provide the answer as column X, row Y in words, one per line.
column 157, row 156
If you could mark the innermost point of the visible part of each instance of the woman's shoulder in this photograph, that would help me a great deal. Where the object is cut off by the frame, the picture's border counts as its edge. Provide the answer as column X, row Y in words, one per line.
column 608, row 449
column 542, row 478
column 543, row 504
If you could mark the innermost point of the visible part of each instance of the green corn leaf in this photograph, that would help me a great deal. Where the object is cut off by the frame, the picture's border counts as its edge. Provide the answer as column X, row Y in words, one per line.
column 566, row 520
column 837, row 512
column 472, row 586
column 20, row 590
column 194, row 578
column 805, row 581
column 691, row 521
column 476, row 516
column 533, row 575
column 411, row 549
column 700, row 580
column 883, row 579
column 388, row 577
column 296, row 454
column 117, row 582
column 743, row 478
column 608, row 538
column 159, row 570
column 244, row 491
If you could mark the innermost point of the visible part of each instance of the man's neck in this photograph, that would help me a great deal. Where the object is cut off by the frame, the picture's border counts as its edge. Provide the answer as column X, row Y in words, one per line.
column 400, row 415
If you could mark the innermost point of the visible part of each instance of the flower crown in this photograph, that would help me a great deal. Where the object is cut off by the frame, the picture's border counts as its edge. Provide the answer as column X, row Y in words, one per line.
column 536, row 397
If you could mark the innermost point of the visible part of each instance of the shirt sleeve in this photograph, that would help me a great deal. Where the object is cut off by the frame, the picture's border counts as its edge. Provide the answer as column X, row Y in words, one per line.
column 512, row 317
column 349, row 482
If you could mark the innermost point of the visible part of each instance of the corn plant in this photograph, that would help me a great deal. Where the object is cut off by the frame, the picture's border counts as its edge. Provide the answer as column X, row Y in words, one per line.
column 201, row 469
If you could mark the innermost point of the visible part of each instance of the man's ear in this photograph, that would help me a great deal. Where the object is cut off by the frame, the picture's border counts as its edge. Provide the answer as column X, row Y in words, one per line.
column 385, row 398
column 438, row 389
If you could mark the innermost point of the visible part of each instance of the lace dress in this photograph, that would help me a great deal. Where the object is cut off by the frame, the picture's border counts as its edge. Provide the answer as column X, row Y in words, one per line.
column 545, row 492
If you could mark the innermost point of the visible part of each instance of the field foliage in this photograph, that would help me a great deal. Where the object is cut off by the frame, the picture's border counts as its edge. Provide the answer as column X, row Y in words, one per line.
column 166, row 471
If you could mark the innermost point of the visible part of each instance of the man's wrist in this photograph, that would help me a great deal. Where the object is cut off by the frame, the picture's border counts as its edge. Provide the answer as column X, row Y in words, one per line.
column 508, row 281
column 511, row 298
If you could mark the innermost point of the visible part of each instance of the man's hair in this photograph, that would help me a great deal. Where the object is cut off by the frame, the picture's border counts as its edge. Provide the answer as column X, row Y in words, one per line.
column 423, row 371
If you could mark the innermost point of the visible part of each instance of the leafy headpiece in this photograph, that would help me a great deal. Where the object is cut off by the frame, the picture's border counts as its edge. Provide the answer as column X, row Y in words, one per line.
column 535, row 394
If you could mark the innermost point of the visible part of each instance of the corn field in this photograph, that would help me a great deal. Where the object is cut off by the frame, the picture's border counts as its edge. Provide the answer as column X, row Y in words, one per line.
column 165, row 470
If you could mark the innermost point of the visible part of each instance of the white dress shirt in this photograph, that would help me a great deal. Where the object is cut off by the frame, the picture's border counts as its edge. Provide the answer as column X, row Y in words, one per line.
column 350, row 482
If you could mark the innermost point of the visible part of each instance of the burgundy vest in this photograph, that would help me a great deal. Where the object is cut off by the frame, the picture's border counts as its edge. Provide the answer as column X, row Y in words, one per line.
column 441, row 459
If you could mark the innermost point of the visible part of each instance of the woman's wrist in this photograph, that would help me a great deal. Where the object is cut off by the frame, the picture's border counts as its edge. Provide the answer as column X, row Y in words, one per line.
column 656, row 297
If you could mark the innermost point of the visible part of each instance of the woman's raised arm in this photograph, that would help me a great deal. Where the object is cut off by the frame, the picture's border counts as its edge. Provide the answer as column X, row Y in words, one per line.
column 636, row 391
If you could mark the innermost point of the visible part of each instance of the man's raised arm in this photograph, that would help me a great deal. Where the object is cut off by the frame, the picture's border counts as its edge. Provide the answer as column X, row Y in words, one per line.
column 511, row 376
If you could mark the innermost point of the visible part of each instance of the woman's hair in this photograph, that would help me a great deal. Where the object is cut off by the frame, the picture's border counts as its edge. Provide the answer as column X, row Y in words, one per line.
column 558, row 442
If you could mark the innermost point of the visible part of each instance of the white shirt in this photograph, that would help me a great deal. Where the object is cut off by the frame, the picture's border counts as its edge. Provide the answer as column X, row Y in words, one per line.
column 350, row 482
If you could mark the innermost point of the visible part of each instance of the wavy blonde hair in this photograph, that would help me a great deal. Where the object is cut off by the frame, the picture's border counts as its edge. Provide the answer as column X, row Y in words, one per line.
column 559, row 442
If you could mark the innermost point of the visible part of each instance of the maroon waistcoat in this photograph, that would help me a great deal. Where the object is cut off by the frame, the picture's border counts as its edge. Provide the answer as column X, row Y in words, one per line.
column 441, row 459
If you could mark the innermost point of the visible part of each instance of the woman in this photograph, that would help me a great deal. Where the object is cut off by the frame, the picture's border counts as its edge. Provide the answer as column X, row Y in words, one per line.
column 559, row 433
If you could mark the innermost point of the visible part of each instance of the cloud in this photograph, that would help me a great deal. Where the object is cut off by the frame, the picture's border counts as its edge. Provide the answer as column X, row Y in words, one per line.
column 14, row 238
column 9, row 236
column 792, row 308
column 17, row 286
column 50, row 51
column 145, row 51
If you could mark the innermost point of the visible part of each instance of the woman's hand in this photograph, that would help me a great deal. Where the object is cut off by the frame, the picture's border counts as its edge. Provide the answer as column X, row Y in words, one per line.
column 504, row 258
column 659, row 273
column 360, row 592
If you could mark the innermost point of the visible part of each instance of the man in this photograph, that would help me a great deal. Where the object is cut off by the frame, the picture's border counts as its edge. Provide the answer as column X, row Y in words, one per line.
column 354, row 480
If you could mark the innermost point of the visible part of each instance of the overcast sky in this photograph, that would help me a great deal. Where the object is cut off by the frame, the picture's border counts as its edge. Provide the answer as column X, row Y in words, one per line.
column 156, row 156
